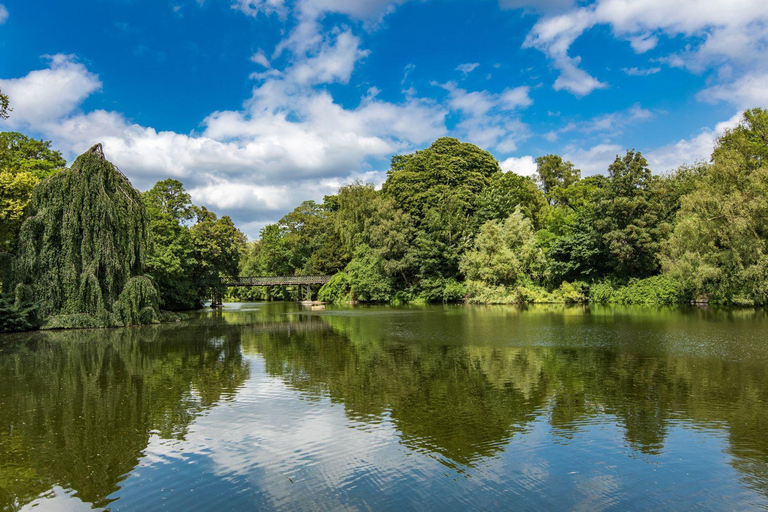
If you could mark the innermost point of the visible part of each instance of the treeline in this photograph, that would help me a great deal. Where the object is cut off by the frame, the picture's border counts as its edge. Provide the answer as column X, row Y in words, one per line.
column 449, row 225
column 80, row 247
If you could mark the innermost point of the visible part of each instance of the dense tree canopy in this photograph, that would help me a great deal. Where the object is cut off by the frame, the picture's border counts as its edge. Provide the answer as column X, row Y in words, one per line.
column 188, row 260
column 82, row 250
column 447, row 225
column 23, row 163
column 719, row 247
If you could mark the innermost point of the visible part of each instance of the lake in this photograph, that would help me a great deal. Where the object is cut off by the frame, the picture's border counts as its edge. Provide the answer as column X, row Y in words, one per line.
column 271, row 406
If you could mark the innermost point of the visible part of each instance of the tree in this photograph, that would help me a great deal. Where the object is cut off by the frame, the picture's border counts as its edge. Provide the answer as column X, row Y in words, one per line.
column 15, row 194
column 630, row 218
column 719, row 246
column 170, row 256
column 505, row 192
column 23, row 163
column 82, row 250
column 423, row 180
column 218, row 245
column 553, row 174
column 505, row 255
column 5, row 106
column 19, row 153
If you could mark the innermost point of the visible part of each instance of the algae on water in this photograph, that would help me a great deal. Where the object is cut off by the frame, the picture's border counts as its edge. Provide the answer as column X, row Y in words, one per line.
column 81, row 252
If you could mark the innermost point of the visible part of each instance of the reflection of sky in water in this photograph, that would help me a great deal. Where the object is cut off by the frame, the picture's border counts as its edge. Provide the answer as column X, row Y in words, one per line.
column 386, row 408
column 275, row 448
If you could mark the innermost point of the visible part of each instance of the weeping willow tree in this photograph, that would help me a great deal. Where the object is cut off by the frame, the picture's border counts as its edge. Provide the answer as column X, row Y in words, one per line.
column 81, row 251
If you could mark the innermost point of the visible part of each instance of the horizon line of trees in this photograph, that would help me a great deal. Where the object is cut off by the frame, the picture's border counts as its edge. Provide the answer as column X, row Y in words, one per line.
column 449, row 225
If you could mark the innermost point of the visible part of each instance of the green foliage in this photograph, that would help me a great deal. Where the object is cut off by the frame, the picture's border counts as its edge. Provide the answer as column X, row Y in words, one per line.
column 556, row 175
column 23, row 163
column 505, row 192
column 601, row 292
column 718, row 250
column 187, row 262
column 84, row 245
column 19, row 153
column 656, row 290
column 424, row 180
column 630, row 223
column 336, row 290
column 505, row 255
column 15, row 194
column 16, row 318
column 5, row 106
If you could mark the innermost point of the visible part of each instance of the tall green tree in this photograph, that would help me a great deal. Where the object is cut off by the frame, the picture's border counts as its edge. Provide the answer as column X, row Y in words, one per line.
column 82, row 250
column 218, row 245
column 719, row 247
column 505, row 255
column 5, row 106
column 554, row 174
column 24, row 162
column 630, row 218
column 171, row 254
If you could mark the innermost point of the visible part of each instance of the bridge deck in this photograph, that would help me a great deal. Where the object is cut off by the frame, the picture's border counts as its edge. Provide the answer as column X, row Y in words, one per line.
column 276, row 280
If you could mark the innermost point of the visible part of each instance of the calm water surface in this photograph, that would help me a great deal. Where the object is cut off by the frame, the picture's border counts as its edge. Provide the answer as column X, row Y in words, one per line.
column 268, row 406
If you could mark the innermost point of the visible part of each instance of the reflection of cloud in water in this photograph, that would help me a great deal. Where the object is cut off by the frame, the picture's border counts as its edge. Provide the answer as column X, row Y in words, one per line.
column 286, row 449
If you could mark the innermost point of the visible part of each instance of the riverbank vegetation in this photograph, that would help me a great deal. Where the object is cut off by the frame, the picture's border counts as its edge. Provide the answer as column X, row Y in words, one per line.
column 449, row 225
column 81, row 247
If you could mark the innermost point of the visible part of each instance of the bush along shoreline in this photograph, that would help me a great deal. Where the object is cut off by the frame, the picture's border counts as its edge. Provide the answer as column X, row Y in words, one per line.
column 80, row 247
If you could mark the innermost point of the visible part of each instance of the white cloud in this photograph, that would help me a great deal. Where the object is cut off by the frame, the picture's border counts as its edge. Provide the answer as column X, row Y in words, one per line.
column 487, row 119
column 594, row 160
column 3, row 14
column 524, row 166
column 635, row 71
column 748, row 91
column 612, row 123
column 333, row 62
column 689, row 151
column 289, row 143
column 554, row 35
column 468, row 67
column 261, row 59
column 643, row 42
column 50, row 93
column 256, row 7
column 733, row 33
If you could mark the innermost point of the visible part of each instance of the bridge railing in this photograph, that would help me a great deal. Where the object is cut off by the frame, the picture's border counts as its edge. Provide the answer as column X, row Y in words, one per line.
column 276, row 280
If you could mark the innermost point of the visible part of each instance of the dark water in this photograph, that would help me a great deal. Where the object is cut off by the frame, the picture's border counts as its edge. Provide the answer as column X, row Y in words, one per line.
column 268, row 406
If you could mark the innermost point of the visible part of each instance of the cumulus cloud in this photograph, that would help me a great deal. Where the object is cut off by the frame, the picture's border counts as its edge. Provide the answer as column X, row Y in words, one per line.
column 524, row 166
column 689, row 151
column 719, row 32
column 50, row 93
column 3, row 14
column 594, row 160
column 290, row 142
column 468, row 67
column 488, row 119
column 747, row 91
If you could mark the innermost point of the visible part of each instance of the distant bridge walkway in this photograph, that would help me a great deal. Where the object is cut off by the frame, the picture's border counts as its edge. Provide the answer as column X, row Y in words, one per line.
column 277, row 281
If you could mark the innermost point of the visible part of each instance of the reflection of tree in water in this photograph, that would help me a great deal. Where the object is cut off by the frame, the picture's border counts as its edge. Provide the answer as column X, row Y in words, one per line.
column 77, row 408
column 464, row 402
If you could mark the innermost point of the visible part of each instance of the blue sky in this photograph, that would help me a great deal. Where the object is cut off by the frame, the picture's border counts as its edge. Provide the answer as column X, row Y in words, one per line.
column 257, row 105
